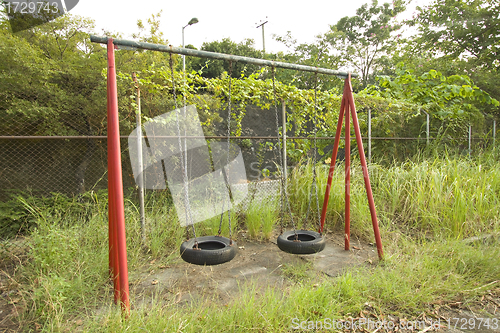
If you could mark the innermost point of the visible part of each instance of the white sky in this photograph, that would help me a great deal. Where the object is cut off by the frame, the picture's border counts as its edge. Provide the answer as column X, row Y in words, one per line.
column 219, row 19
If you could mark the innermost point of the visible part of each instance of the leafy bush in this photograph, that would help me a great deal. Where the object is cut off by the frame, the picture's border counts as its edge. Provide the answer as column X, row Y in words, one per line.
column 20, row 214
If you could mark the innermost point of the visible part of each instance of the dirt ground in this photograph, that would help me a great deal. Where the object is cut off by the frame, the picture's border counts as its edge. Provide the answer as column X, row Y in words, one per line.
column 259, row 263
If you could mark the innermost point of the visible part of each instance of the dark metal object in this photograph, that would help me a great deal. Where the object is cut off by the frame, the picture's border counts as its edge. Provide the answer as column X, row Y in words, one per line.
column 220, row 56
column 103, row 137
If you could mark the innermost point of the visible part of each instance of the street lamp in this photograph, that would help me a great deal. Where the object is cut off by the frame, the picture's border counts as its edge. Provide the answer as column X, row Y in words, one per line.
column 194, row 20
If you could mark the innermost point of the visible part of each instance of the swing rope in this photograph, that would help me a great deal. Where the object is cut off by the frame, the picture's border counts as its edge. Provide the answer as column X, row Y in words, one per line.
column 284, row 202
column 187, row 208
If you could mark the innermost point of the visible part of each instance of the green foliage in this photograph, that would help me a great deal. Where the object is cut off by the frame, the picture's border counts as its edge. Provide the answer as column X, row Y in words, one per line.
column 414, row 276
column 53, row 249
column 211, row 226
column 154, row 35
column 365, row 39
column 445, row 197
column 446, row 97
column 449, row 197
column 21, row 214
column 458, row 37
column 65, row 94
column 424, row 208
column 16, row 217
column 298, row 271
column 215, row 68
column 395, row 104
column 453, row 103
column 67, row 274
column 465, row 28
column 315, row 54
column 50, row 80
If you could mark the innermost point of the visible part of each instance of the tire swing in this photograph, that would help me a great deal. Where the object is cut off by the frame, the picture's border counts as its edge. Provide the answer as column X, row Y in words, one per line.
column 205, row 250
column 298, row 241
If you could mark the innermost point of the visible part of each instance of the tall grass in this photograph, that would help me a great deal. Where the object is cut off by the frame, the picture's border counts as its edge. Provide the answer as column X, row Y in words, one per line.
column 212, row 225
column 425, row 208
column 454, row 198
column 450, row 197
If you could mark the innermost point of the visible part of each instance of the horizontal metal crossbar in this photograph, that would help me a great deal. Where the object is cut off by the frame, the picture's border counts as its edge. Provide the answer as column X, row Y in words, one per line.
column 209, row 137
column 220, row 56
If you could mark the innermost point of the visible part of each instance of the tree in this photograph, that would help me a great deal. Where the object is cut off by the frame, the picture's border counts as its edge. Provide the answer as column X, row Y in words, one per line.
column 50, row 75
column 450, row 96
column 52, row 83
column 315, row 54
column 462, row 29
column 454, row 100
column 463, row 34
column 214, row 68
column 363, row 40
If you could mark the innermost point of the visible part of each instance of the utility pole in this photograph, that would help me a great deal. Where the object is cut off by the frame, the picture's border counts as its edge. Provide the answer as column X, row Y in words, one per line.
column 263, row 38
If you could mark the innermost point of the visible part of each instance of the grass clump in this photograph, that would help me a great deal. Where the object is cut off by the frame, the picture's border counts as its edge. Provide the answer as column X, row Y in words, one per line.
column 261, row 217
column 298, row 271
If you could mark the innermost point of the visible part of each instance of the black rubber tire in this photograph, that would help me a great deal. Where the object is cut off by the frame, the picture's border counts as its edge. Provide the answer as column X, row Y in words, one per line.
column 310, row 242
column 212, row 250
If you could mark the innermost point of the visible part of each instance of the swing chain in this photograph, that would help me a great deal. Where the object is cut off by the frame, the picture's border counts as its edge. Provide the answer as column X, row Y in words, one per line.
column 221, row 216
column 282, row 207
column 171, row 63
column 230, row 71
column 228, row 146
column 284, row 202
column 315, row 183
column 183, row 166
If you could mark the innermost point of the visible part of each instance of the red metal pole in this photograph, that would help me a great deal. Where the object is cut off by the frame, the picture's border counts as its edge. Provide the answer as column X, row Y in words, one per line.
column 347, row 199
column 332, row 165
column 115, row 184
column 116, row 262
column 366, row 177
column 112, row 244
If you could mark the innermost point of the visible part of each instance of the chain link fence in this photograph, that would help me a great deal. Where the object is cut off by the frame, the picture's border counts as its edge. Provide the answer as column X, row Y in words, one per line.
column 70, row 166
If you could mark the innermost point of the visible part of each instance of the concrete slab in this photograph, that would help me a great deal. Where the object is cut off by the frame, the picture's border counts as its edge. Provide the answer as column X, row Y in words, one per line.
column 257, row 264
column 333, row 260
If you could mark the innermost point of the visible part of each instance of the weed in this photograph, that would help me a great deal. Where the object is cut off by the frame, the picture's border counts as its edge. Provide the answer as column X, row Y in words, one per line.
column 261, row 216
column 298, row 271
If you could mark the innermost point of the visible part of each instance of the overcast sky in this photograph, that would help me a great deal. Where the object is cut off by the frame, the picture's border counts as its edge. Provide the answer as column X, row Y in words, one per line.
column 220, row 19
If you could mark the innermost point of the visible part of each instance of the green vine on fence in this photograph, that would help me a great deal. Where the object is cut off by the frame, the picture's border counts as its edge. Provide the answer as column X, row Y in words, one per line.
column 395, row 102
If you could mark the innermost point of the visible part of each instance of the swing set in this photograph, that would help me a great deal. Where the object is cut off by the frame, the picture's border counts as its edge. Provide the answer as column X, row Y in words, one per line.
column 213, row 250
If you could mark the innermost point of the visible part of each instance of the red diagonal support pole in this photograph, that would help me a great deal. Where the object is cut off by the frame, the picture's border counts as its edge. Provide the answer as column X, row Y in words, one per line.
column 115, row 189
column 347, row 199
column 366, row 177
column 346, row 105
column 335, row 150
